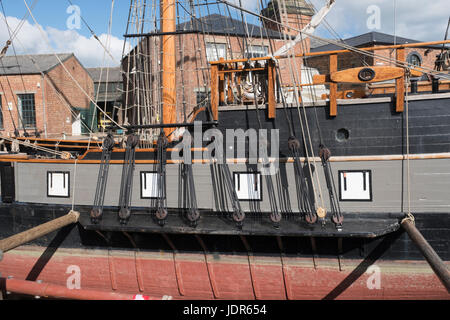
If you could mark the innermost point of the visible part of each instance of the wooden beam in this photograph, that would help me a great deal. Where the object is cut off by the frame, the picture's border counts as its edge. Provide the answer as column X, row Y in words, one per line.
column 230, row 96
column 400, row 85
column 380, row 74
column 333, row 86
column 38, row 232
column 272, row 103
column 215, row 92
column 221, row 83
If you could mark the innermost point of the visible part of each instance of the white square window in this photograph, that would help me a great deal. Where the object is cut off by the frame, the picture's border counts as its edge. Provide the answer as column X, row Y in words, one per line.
column 149, row 185
column 215, row 51
column 248, row 186
column 255, row 51
column 58, row 184
column 355, row 185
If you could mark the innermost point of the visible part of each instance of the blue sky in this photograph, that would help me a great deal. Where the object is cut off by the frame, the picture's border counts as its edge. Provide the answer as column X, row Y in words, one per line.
column 415, row 19
column 53, row 13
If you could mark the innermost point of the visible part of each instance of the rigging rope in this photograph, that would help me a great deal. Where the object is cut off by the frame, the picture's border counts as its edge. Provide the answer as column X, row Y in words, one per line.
column 64, row 155
column 403, row 64
column 63, row 100
column 64, row 67
column 16, row 31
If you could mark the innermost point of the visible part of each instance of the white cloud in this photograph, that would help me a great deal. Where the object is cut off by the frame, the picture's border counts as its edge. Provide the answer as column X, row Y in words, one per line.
column 88, row 50
column 415, row 19
column 247, row 4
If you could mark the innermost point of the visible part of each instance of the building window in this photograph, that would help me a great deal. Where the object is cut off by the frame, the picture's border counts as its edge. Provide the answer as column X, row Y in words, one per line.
column 355, row 185
column 414, row 58
column 27, row 110
column 257, row 52
column 58, row 184
column 215, row 51
column 248, row 186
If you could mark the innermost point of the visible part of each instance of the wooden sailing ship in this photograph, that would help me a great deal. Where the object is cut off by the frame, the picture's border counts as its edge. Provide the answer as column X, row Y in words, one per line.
column 307, row 210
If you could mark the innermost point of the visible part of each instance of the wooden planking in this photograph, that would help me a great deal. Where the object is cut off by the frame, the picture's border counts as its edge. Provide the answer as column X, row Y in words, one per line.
column 400, row 85
column 333, row 86
column 272, row 103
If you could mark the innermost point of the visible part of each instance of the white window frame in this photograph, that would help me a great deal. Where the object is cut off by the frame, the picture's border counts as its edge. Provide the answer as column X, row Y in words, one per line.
column 215, row 51
column 355, row 185
column 242, row 183
column 149, row 185
column 58, row 184
column 257, row 51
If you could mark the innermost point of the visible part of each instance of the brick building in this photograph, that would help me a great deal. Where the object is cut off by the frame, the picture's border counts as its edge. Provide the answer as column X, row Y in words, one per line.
column 420, row 56
column 200, row 41
column 38, row 96
column 108, row 94
column 222, row 37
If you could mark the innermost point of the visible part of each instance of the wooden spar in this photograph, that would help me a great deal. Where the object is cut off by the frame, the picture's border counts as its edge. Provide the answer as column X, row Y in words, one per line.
column 272, row 103
column 333, row 86
column 47, row 290
column 215, row 92
column 438, row 266
column 400, row 84
column 37, row 232
column 169, row 92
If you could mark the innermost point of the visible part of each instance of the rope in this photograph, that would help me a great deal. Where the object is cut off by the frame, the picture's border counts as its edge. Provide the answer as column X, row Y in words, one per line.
column 64, row 101
column 64, row 67
column 408, row 175
column 409, row 217
column 63, row 155
column 16, row 31
column 343, row 45
column 306, row 133
column 74, row 183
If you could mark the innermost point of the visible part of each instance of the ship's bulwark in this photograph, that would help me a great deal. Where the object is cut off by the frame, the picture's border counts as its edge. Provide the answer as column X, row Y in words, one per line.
column 322, row 267
column 388, row 267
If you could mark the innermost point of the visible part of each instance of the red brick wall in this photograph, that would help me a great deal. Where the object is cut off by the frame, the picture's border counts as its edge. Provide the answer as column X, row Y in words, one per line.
column 10, row 86
column 57, row 115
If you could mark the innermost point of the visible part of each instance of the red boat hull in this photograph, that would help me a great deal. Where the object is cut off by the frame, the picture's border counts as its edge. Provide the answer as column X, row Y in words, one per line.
column 231, row 277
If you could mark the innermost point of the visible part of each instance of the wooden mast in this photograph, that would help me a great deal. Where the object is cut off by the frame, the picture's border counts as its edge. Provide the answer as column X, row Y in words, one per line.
column 169, row 92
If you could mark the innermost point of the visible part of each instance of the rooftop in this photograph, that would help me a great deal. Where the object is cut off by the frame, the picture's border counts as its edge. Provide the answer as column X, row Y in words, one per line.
column 105, row 74
column 31, row 64
column 367, row 40
column 222, row 25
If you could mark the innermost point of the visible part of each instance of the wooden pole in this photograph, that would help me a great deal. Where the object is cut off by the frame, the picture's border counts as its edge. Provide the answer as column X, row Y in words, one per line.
column 400, row 84
column 333, row 86
column 215, row 92
column 46, row 290
column 169, row 61
column 272, row 103
column 435, row 262
column 37, row 232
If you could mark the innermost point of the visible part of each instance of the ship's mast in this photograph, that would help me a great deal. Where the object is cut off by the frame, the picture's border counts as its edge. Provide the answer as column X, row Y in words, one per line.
column 169, row 93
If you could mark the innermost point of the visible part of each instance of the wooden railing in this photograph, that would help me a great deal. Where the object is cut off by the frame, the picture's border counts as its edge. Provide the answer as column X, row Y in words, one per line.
column 218, row 94
column 361, row 75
